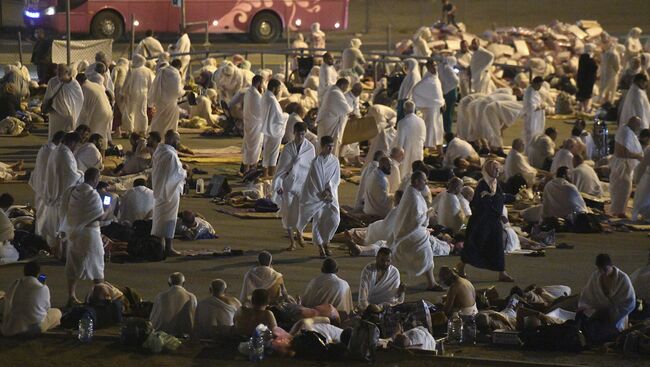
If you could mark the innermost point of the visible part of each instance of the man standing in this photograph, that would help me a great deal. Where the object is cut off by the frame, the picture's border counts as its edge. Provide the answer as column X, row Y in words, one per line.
column 37, row 180
column 411, row 132
column 464, row 57
column 449, row 13
column 333, row 114
column 61, row 174
column 82, row 208
column 480, row 66
column 289, row 180
column 62, row 101
column 627, row 155
column 253, row 123
column 428, row 97
column 327, row 76
column 96, row 111
column 380, row 282
column 610, row 66
column 42, row 56
column 138, row 83
column 636, row 102
column 534, row 110
column 183, row 46
column 320, row 199
column 149, row 46
column 167, row 178
column 274, row 124
column 449, row 81
column 167, row 88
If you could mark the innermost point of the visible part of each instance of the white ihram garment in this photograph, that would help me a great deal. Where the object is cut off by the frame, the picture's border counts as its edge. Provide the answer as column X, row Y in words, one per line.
column 96, row 112
column 428, row 97
column 212, row 313
column 385, row 117
column 137, row 85
column 610, row 66
column 252, row 145
column 382, row 292
column 411, row 132
column 410, row 80
column 641, row 282
column 561, row 199
column 619, row 303
column 324, row 174
column 183, row 45
column 517, row 163
column 274, row 123
column 258, row 277
column 149, row 47
column 167, row 178
column 642, row 194
column 173, row 311
column 88, row 156
column 328, row 289
column 377, row 200
column 333, row 116
column 586, row 180
column 326, row 78
column 81, row 206
column 165, row 91
column 563, row 158
column 67, row 105
column 363, row 180
column 621, row 170
column 457, row 148
column 136, row 204
column 534, row 114
column 37, row 182
column 290, row 176
column 480, row 65
column 636, row 104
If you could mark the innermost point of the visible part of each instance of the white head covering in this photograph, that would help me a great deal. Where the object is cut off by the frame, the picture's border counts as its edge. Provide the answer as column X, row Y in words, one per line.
column 635, row 32
column 355, row 43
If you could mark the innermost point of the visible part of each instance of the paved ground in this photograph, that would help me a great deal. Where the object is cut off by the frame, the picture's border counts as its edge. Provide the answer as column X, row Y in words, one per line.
column 570, row 267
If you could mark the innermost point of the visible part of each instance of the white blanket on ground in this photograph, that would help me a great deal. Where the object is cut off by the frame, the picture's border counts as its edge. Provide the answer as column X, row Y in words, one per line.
column 586, row 180
column 136, row 204
column 81, row 207
column 636, row 104
column 534, row 114
column 409, row 239
column 618, row 303
column 165, row 91
column 333, row 116
column 382, row 291
column 411, row 133
column 290, row 176
column 410, row 80
column 427, row 95
column 561, row 198
column 88, row 156
column 212, row 313
column 328, row 289
column 167, row 177
column 96, row 111
column 324, row 174
column 517, row 163
column 641, row 282
column 173, row 311
column 258, row 277
column 457, row 148
column 480, row 65
column 421, row 339
column 61, row 174
column 67, row 105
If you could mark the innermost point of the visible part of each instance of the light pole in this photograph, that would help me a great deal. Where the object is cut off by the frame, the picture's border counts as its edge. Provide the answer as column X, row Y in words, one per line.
column 67, row 30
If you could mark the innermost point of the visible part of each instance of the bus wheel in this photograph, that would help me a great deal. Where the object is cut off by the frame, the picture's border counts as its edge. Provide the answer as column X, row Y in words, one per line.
column 107, row 24
column 265, row 28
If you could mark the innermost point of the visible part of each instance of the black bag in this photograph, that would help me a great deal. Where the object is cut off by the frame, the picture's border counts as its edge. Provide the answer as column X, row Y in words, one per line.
column 586, row 223
column 117, row 232
column 107, row 313
column 310, row 345
column 135, row 331
column 143, row 246
column 265, row 206
column 565, row 337
column 218, row 186
column 28, row 244
column 363, row 342
column 70, row 320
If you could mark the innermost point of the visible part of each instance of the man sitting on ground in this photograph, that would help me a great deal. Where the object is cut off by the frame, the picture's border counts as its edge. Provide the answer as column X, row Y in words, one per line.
column 640, row 280
column 585, row 178
column 561, row 198
column 458, row 148
column 447, row 206
column 564, row 156
column 27, row 306
column 328, row 288
column 380, row 282
column 461, row 296
column 517, row 166
column 541, row 149
column 377, row 200
column 192, row 227
column 263, row 276
column 215, row 314
column 247, row 319
column 136, row 203
column 173, row 309
column 605, row 302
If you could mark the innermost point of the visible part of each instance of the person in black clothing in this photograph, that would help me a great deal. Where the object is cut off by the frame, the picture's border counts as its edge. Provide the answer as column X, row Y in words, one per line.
column 586, row 78
column 42, row 56
column 484, row 242
column 9, row 104
column 449, row 13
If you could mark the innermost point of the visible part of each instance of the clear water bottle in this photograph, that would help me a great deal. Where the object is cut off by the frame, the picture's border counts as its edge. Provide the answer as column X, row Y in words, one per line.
column 455, row 329
column 469, row 329
column 86, row 328
column 256, row 346
column 200, row 186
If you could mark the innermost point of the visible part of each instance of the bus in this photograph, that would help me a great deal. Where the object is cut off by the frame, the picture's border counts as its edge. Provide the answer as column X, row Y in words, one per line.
column 263, row 20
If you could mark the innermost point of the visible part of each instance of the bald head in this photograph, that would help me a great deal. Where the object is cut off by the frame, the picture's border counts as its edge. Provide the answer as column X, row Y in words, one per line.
column 176, row 278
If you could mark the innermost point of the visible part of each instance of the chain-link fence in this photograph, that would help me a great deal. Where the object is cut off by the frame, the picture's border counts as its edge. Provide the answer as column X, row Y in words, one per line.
column 80, row 50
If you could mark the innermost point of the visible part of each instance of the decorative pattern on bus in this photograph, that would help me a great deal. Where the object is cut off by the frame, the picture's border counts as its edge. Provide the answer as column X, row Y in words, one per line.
column 238, row 16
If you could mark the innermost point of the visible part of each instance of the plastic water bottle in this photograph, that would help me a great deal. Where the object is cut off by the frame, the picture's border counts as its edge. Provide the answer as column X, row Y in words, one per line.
column 256, row 346
column 200, row 186
column 469, row 329
column 455, row 329
column 86, row 328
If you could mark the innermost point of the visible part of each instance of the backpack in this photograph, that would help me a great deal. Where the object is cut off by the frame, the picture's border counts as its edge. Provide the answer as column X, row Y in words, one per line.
column 70, row 320
column 363, row 342
column 135, row 331
column 265, row 206
column 143, row 246
column 565, row 337
column 586, row 223
column 107, row 313
column 310, row 345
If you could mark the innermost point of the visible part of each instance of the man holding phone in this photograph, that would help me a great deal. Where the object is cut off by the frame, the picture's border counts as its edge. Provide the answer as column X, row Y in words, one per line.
column 83, row 209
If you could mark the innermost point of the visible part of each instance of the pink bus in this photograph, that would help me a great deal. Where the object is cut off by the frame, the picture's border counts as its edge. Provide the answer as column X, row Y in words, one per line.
column 263, row 20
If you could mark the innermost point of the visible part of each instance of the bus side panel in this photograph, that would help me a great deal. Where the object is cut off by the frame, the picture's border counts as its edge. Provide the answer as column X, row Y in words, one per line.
column 210, row 11
column 150, row 14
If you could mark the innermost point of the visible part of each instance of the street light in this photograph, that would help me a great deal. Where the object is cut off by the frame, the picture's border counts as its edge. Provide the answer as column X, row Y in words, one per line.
column 136, row 23
column 215, row 23
column 337, row 25
column 298, row 22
